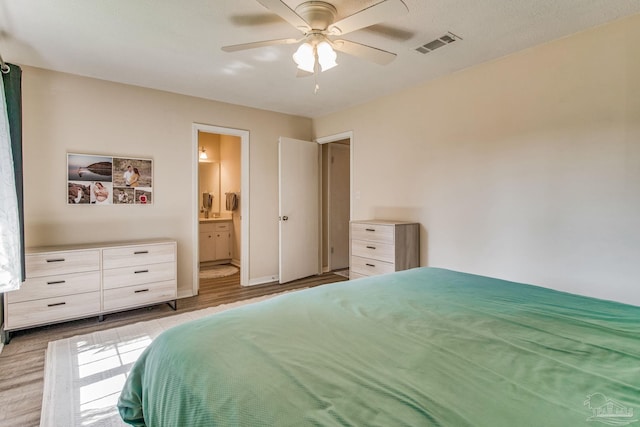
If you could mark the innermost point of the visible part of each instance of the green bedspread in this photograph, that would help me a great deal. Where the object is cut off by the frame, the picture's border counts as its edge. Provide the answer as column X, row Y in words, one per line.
column 424, row 347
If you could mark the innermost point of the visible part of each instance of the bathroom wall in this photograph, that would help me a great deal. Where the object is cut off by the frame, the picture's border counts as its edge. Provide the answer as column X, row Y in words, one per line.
column 209, row 170
column 230, row 178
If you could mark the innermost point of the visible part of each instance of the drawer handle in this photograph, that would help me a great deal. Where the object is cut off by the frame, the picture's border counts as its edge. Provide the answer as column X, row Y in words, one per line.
column 370, row 229
column 141, row 271
column 371, row 247
column 56, row 304
column 370, row 265
column 56, row 260
column 140, row 291
column 140, row 252
column 57, row 282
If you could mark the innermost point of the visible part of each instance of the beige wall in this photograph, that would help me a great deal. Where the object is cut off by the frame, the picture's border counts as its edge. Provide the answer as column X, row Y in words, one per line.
column 64, row 113
column 525, row 168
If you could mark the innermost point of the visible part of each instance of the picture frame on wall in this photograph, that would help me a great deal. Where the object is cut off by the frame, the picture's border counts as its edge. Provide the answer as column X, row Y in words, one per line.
column 105, row 180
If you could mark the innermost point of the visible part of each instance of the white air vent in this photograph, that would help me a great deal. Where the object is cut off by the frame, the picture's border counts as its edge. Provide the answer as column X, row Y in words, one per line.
column 437, row 43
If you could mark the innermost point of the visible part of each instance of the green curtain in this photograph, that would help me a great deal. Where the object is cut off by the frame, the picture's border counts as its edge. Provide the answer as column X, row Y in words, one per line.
column 13, row 93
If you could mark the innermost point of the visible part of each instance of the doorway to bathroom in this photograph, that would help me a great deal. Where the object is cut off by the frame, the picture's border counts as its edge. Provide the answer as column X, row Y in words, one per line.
column 220, row 209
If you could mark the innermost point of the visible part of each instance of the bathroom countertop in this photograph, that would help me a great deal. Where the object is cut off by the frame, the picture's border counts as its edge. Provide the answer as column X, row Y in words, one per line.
column 219, row 219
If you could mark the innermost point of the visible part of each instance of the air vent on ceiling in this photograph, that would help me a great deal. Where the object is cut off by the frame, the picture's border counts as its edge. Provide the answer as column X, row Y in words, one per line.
column 437, row 43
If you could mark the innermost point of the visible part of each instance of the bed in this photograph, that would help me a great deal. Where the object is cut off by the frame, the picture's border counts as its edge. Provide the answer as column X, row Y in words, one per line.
column 422, row 347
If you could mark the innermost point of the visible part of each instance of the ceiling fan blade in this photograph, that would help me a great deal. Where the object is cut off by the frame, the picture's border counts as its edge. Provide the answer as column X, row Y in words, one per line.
column 389, row 32
column 280, row 8
column 245, row 46
column 370, row 16
column 369, row 53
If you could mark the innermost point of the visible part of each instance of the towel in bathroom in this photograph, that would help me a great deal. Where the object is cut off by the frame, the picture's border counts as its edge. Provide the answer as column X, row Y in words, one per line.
column 232, row 201
column 207, row 200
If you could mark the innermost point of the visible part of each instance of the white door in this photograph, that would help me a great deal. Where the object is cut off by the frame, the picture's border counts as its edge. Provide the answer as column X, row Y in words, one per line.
column 338, row 200
column 298, row 208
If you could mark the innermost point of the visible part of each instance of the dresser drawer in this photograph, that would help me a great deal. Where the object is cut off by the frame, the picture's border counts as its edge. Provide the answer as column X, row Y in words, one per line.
column 129, row 276
column 370, row 267
column 374, row 250
column 49, row 310
column 130, row 256
column 133, row 296
column 47, row 264
column 373, row 232
column 55, row 286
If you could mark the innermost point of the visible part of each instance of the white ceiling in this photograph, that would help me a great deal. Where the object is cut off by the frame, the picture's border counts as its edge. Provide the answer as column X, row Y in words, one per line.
column 175, row 45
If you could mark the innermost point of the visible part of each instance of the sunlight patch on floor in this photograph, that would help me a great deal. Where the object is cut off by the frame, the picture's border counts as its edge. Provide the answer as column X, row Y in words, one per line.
column 95, row 359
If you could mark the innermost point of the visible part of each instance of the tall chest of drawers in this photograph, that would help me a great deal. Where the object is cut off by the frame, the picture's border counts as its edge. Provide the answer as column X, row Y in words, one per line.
column 383, row 246
column 71, row 282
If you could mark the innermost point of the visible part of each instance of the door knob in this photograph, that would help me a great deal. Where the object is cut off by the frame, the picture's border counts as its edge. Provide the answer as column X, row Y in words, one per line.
column 285, row 218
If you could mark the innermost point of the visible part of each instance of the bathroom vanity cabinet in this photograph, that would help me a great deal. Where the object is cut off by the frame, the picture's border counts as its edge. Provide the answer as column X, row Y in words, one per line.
column 215, row 240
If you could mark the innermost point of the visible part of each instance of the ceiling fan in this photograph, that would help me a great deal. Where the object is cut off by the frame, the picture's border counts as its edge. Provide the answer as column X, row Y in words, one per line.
column 321, row 33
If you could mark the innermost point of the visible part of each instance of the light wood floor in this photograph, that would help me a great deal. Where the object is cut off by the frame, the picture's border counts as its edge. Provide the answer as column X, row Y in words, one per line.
column 22, row 360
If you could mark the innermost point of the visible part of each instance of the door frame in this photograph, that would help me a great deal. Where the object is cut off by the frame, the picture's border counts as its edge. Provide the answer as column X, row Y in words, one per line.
column 326, row 140
column 244, row 194
column 335, row 187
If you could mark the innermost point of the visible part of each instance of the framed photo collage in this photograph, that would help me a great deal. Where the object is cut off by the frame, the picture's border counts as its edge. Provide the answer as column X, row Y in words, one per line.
column 105, row 180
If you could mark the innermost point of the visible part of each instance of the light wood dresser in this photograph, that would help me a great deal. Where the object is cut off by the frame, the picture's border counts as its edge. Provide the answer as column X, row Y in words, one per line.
column 383, row 246
column 70, row 282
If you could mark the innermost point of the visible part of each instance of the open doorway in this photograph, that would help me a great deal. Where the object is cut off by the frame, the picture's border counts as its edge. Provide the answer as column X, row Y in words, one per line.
column 336, row 202
column 221, row 196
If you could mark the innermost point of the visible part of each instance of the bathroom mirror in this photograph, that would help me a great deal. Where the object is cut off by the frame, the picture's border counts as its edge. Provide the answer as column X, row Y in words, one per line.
column 209, row 183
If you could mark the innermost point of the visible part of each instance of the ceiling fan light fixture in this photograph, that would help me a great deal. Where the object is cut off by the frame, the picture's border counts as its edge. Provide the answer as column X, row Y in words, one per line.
column 317, row 22
column 326, row 56
column 305, row 57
